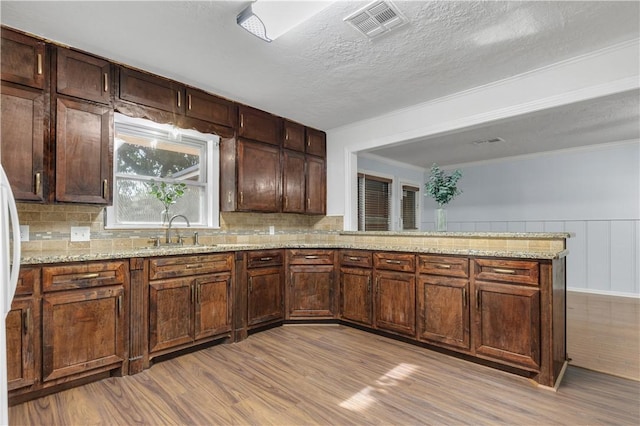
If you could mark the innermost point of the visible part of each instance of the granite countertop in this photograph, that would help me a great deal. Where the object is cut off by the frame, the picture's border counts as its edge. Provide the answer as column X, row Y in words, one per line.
column 35, row 258
column 509, row 235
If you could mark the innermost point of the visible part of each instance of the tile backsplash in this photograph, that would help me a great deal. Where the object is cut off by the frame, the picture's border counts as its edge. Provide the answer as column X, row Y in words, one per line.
column 50, row 228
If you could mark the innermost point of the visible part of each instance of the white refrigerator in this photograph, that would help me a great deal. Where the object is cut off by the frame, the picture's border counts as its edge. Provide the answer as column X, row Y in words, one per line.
column 9, row 268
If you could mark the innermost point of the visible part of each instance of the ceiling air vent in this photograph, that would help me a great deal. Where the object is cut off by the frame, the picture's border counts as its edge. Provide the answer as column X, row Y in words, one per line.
column 376, row 19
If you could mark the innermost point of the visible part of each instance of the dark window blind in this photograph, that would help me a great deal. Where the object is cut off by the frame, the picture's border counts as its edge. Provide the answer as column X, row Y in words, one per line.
column 374, row 203
column 409, row 207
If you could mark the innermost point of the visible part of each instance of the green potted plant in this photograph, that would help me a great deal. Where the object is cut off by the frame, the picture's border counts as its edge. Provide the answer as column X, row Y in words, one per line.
column 168, row 194
column 442, row 188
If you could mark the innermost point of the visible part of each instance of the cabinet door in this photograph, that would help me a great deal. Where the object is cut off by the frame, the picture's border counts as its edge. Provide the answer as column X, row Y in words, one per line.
column 82, row 330
column 204, row 106
column 259, row 125
column 311, row 291
column 395, row 302
column 316, row 185
column 265, row 295
column 150, row 90
column 316, row 142
column 83, row 76
column 294, row 136
column 84, row 135
column 443, row 308
column 258, row 177
column 23, row 130
column 355, row 295
column 21, row 323
column 507, row 324
column 212, row 305
column 22, row 59
column 293, row 178
column 170, row 313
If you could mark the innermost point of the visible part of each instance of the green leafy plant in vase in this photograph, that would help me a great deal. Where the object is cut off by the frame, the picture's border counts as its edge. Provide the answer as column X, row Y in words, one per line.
column 168, row 194
column 442, row 188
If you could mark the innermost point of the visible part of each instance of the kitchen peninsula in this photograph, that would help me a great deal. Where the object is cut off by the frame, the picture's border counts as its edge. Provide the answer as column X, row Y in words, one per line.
column 493, row 298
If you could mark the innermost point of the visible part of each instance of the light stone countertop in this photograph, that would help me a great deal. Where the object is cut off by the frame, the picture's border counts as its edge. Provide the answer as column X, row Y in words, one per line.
column 503, row 235
column 36, row 258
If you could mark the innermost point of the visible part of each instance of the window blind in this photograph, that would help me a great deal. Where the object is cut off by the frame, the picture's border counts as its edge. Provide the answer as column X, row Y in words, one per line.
column 409, row 207
column 374, row 203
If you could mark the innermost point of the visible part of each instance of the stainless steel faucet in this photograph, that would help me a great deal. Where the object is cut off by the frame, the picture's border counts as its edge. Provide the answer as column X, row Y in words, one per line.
column 168, row 239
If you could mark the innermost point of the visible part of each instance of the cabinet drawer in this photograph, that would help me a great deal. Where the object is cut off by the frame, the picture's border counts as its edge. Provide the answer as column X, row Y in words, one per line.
column 261, row 259
column 512, row 271
column 395, row 261
column 310, row 257
column 448, row 266
column 92, row 274
column 170, row 267
column 362, row 259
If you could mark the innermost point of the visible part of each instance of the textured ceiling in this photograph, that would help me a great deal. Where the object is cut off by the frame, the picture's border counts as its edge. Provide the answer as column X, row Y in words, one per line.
column 323, row 73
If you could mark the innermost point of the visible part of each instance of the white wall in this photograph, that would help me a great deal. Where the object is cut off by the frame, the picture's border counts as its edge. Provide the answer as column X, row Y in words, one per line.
column 400, row 174
column 593, row 193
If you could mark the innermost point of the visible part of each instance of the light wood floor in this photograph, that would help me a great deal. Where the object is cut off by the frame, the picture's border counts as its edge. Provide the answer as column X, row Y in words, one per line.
column 603, row 333
column 295, row 375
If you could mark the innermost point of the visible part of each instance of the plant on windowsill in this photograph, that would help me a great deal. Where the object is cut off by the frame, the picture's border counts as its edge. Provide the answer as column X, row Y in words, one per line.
column 442, row 188
column 168, row 194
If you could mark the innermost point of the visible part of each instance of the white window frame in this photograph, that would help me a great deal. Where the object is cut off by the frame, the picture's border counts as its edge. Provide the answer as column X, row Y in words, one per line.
column 418, row 205
column 212, row 189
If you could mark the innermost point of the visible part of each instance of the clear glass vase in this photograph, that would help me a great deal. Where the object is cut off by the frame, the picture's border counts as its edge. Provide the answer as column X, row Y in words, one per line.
column 441, row 219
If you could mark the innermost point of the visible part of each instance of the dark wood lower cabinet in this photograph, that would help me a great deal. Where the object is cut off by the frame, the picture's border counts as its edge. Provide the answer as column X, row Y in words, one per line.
column 507, row 324
column 395, row 307
column 311, row 292
column 21, row 324
column 356, row 295
column 185, row 310
column 443, row 311
column 265, row 298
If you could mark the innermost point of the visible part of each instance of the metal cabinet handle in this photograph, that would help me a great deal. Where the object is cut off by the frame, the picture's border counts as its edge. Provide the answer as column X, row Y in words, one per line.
column 504, row 271
column 38, row 183
column 477, row 299
column 443, row 266
column 354, row 259
column 179, row 99
column 106, row 82
column 194, row 266
column 105, row 188
column 86, row 276
column 286, row 135
column 394, row 262
column 241, row 120
column 464, row 297
column 39, row 57
column 266, row 259
column 311, row 257
column 192, row 294
column 189, row 102
column 119, row 303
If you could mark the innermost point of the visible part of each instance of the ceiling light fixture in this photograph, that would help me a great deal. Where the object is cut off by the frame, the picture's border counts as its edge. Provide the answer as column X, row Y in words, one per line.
column 269, row 19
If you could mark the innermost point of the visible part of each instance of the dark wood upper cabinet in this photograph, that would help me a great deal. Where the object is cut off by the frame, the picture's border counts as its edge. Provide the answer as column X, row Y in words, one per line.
column 203, row 106
column 23, row 59
column 84, row 152
column 294, row 134
column 316, row 185
column 150, row 90
column 258, row 177
column 83, row 76
column 259, row 125
column 293, row 178
column 316, row 142
column 24, row 128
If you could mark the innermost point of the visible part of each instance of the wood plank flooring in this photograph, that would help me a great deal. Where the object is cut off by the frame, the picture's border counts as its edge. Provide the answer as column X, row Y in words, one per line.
column 332, row 375
column 603, row 333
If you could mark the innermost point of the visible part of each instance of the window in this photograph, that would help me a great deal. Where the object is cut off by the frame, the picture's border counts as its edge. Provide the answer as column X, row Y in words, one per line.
column 147, row 152
column 409, row 207
column 374, row 203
